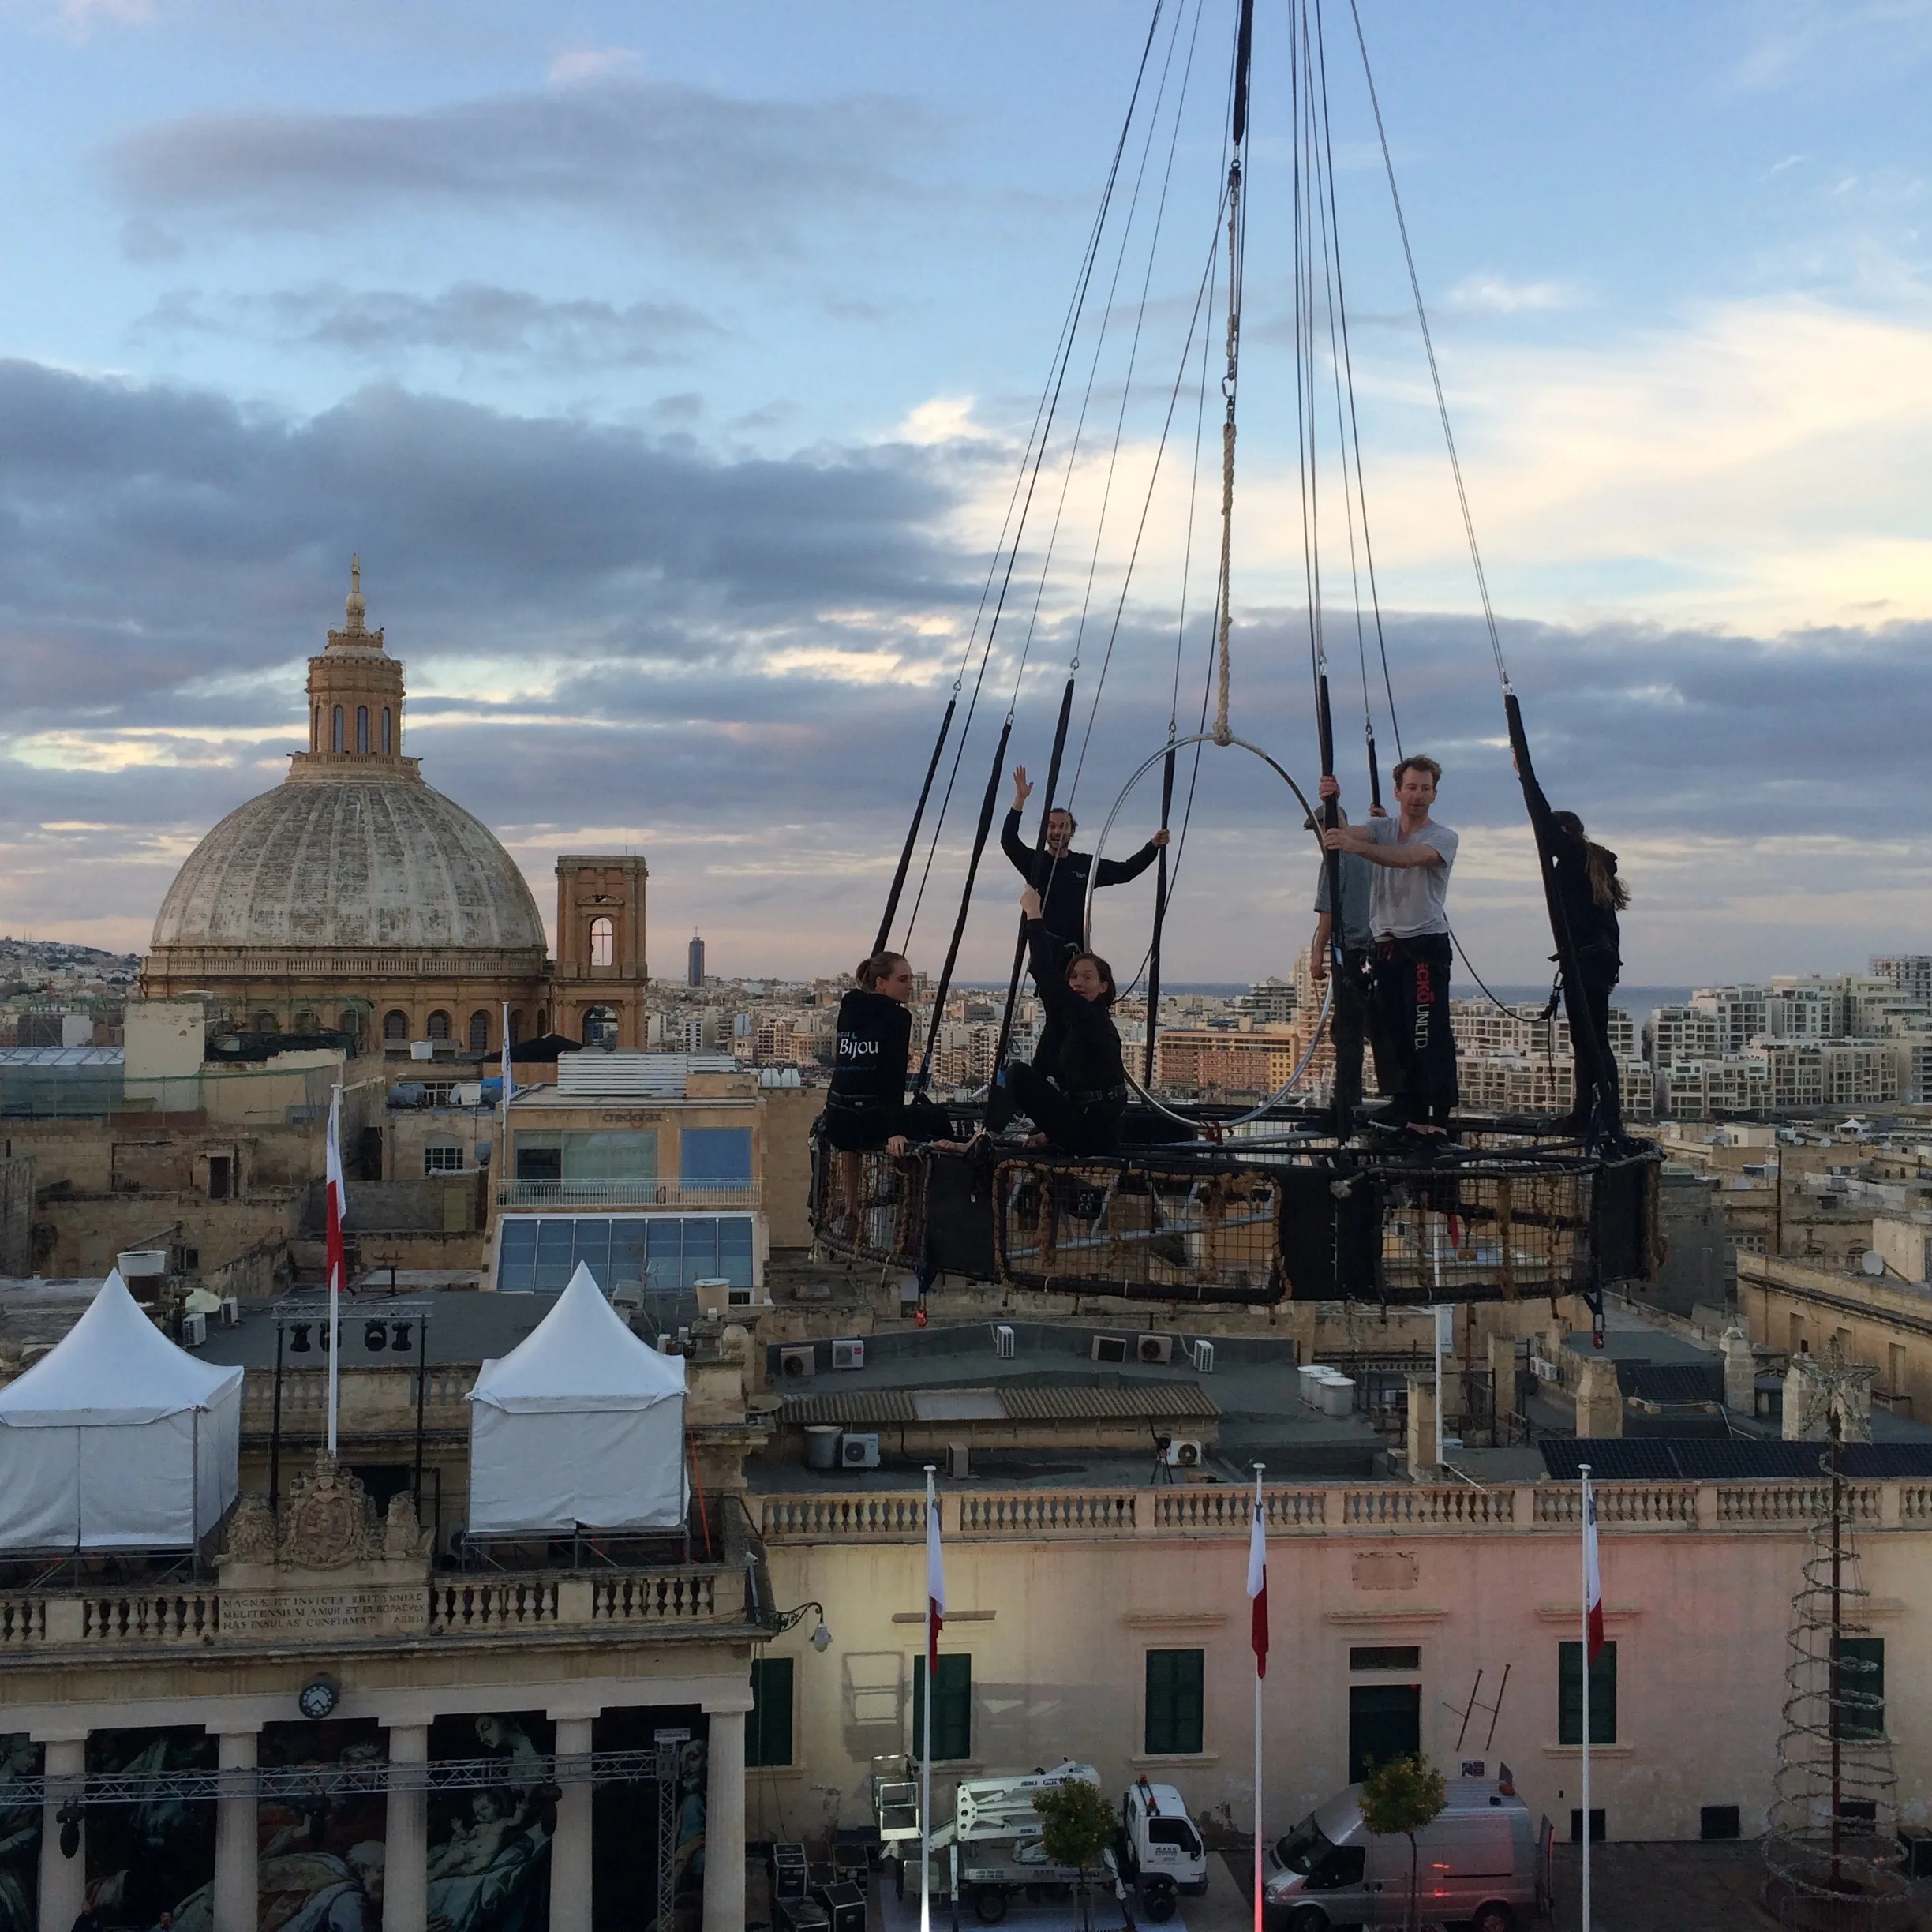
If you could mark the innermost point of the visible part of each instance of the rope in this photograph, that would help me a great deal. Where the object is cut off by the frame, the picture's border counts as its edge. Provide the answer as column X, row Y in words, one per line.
column 1429, row 345
column 1223, row 732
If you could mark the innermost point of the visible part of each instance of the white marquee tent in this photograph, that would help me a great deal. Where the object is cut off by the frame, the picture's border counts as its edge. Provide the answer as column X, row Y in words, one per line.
column 116, row 1438
column 580, row 1423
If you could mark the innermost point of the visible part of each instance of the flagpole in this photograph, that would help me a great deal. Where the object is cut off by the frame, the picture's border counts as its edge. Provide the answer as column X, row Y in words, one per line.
column 333, row 1208
column 1583, row 1471
column 1259, row 1835
column 932, row 1649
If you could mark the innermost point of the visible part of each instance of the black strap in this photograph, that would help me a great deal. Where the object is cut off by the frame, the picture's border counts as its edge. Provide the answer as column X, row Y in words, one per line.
column 1040, row 846
column 1160, row 919
column 1331, row 861
column 1244, row 46
column 912, row 830
column 959, row 924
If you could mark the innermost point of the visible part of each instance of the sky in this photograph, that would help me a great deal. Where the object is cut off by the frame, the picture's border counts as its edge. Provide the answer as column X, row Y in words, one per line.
column 671, row 370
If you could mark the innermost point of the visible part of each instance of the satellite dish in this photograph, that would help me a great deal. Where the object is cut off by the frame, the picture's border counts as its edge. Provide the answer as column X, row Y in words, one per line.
column 1871, row 1263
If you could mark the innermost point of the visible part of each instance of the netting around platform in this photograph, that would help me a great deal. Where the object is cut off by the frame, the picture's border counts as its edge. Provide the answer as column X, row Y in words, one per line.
column 1481, row 1223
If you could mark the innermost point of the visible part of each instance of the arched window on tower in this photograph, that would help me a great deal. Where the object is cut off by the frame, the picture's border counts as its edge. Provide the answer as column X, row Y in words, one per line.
column 315, row 731
column 603, row 935
column 362, row 729
column 388, row 743
column 543, row 1023
column 479, row 1032
column 440, row 1026
column 600, row 1026
column 395, row 1028
column 516, row 1026
column 335, row 730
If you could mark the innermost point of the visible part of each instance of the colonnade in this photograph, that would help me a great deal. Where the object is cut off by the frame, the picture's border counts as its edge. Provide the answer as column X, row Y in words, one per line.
column 63, row 1879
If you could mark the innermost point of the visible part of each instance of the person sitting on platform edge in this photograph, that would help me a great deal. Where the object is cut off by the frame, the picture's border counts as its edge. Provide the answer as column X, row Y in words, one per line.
column 1591, row 896
column 1078, row 1110
column 1408, row 920
column 866, row 1109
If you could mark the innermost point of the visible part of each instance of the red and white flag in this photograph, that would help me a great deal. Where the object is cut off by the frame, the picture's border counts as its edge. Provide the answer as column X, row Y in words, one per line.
column 1592, row 1583
column 935, row 1590
column 1257, row 1587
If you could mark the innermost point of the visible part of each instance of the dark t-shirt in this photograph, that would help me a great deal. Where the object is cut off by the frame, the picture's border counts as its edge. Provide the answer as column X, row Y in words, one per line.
column 874, row 1047
column 1061, row 882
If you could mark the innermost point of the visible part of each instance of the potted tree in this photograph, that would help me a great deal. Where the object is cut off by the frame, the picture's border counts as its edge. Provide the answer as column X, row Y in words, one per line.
column 1077, row 1825
column 1402, row 1796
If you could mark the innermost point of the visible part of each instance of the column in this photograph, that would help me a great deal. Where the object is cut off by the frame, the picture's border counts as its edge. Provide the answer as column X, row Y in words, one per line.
column 569, row 1850
column 63, row 1880
column 235, row 1839
column 405, row 1882
column 725, row 1824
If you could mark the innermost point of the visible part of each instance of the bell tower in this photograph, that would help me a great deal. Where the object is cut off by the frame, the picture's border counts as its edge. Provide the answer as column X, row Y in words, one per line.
column 602, row 976
column 355, row 701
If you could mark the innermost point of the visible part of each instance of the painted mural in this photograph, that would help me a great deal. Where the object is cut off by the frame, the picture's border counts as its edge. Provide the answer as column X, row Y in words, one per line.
column 322, row 1859
column 20, row 1839
column 624, row 1825
column 144, row 1859
column 489, row 1844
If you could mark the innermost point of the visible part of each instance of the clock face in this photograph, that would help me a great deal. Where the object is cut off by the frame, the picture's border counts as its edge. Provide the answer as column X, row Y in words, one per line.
column 317, row 1699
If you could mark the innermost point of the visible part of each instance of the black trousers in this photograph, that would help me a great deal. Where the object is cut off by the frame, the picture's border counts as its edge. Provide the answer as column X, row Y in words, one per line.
column 1412, row 997
column 1356, row 1020
column 1598, row 1091
column 1070, row 1128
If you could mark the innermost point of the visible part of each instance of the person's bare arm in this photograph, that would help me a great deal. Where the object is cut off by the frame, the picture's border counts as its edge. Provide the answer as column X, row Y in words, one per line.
column 1318, row 950
column 1356, row 840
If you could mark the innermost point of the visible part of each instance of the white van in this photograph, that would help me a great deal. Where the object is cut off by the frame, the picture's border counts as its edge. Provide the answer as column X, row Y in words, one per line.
column 1478, row 1861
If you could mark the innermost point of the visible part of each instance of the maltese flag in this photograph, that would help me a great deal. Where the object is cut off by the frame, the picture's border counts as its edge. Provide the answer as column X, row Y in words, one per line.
column 1257, row 1587
column 1592, row 1583
column 338, row 1204
column 935, row 1591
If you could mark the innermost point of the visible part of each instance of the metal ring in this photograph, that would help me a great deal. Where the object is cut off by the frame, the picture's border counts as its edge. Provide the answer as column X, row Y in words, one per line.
column 1308, row 811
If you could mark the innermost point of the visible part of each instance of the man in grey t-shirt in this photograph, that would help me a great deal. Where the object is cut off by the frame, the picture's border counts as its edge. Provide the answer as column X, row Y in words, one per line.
column 1409, row 921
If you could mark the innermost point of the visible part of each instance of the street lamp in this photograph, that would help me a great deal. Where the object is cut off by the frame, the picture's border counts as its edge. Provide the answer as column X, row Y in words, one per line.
column 783, row 1620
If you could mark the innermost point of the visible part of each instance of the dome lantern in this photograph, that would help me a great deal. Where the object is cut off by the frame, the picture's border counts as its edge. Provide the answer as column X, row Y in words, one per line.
column 355, row 700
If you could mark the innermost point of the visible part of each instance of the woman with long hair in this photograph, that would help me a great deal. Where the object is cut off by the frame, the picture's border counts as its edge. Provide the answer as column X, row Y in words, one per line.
column 867, row 1111
column 1589, row 895
column 1077, row 1102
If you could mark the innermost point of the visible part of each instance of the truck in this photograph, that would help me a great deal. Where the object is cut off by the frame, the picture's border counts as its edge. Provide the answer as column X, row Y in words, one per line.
column 1158, row 1848
column 993, row 1850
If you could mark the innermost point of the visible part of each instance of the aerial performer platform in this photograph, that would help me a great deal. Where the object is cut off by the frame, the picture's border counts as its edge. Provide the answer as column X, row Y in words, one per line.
column 1295, row 1198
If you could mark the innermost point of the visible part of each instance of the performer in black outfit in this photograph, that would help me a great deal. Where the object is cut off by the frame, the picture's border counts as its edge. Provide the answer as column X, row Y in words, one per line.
column 866, row 1109
column 1077, row 1101
column 1059, row 875
column 1591, row 896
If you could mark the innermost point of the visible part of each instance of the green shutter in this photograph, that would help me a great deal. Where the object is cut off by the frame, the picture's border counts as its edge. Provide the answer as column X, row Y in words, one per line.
column 1174, row 1703
column 951, row 1709
column 768, row 1731
column 1569, row 1694
column 1861, row 1686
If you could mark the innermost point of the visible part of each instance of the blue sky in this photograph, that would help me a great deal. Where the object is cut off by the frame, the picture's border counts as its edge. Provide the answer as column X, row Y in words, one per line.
column 669, row 367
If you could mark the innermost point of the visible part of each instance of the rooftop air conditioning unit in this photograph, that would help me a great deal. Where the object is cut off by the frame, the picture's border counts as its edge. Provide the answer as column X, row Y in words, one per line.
column 1202, row 1353
column 795, row 1363
column 739, row 1297
column 232, row 1311
column 848, row 1354
column 1153, row 1349
column 858, row 1451
column 194, row 1329
column 1003, row 1340
column 1184, row 1452
column 1110, row 1348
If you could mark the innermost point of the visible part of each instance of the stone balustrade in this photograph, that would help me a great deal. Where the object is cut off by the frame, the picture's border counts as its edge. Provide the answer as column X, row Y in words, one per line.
column 692, row 1596
column 1404, row 1509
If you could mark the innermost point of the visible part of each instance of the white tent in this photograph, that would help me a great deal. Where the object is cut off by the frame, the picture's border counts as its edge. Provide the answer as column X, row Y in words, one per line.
column 580, row 1423
column 116, row 1438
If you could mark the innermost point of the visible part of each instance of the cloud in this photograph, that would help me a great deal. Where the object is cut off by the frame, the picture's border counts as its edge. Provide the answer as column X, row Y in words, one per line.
column 714, row 173
column 737, row 666
column 1498, row 295
column 579, row 64
column 470, row 319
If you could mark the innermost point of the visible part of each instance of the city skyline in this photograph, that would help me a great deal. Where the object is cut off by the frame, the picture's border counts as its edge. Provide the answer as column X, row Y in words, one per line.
column 663, row 373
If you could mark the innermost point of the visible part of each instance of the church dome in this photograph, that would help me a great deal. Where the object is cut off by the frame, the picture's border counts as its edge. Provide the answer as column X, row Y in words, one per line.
column 366, row 859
